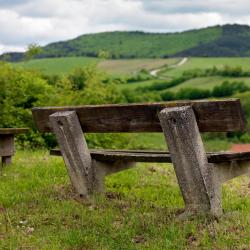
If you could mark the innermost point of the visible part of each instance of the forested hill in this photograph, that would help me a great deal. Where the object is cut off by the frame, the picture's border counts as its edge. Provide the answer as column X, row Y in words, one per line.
column 217, row 41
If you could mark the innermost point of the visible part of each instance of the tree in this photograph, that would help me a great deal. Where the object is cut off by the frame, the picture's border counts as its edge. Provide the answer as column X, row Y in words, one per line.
column 104, row 54
column 33, row 50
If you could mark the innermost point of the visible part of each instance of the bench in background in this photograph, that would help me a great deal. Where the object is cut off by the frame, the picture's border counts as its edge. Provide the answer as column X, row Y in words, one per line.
column 7, row 147
column 199, row 174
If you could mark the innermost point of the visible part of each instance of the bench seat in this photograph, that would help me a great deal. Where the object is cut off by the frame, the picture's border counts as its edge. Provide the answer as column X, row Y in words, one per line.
column 107, row 155
column 13, row 131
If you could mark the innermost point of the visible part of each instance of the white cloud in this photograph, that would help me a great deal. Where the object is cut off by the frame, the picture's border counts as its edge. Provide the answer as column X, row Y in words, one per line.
column 43, row 21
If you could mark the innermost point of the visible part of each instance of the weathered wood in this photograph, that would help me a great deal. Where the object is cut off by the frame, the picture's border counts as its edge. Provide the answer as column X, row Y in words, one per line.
column 212, row 116
column 108, row 155
column 13, row 131
column 7, row 145
column 75, row 151
column 195, row 175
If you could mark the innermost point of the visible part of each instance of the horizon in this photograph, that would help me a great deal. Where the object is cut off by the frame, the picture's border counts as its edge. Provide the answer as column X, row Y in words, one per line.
column 23, row 22
column 139, row 31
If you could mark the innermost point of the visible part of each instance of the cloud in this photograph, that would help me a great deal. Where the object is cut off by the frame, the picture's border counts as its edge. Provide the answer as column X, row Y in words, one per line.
column 228, row 7
column 44, row 21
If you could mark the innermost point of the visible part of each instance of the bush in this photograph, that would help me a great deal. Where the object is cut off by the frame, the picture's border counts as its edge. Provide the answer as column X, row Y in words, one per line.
column 192, row 94
column 21, row 90
column 228, row 89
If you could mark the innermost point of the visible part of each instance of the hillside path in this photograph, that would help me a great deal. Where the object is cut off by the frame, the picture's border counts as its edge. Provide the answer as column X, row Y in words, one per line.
column 155, row 72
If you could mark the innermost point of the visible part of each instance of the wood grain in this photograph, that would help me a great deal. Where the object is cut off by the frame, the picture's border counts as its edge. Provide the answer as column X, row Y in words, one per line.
column 212, row 116
column 156, row 156
column 10, row 131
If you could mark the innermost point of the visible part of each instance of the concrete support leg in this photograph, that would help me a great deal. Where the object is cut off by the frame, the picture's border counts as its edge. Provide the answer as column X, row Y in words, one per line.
column 7, row 148
column 74, row 150
column 6, row 160
column 229, row 170
column 102, row 169
column 87, row 175
column 198, row 182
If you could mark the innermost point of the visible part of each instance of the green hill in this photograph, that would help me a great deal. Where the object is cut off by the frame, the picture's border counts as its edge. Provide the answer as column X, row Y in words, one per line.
column 217, row 41
column 132, row 44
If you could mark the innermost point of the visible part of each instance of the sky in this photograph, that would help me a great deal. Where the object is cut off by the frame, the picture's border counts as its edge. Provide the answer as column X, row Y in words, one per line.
column 23, row 22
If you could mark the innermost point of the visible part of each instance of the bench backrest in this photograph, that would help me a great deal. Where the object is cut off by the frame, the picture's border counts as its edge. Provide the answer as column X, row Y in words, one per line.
column 212, row 116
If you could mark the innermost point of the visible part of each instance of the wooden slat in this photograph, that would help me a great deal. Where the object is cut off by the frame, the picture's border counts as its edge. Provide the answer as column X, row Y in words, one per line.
column 11, row 131
column 156, row 156
column 212, row 116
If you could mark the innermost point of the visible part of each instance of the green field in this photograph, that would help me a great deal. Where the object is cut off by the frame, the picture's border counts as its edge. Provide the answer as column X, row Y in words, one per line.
column 65, row 65
column 200, row 82
column 205, row 63
column 209, row 82
column 38, row 210
column 130, row 66
column 57, row 65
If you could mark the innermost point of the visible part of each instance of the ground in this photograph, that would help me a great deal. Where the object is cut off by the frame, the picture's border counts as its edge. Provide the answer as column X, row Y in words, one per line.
column 39, row 210
column 65, row 65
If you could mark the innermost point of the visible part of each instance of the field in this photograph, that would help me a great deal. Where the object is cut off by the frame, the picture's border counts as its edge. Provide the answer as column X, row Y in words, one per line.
column 57, row 65
column 133, row 66
column 38, row 210
column 205, row 63
column 126, row 67
column 65, row 65
column 209, row 82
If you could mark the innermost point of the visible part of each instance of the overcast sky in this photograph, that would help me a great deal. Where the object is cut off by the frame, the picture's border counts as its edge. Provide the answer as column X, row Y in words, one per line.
column 43, row 21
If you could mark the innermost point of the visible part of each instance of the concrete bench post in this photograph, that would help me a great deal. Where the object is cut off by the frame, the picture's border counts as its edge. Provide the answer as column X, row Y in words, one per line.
column 198, row 183
column 87, row 175
column 74, row 150
column 7, row 149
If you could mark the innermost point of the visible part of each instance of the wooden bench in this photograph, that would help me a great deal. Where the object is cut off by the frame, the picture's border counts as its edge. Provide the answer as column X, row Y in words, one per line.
column 7, row 147
column 199, row 174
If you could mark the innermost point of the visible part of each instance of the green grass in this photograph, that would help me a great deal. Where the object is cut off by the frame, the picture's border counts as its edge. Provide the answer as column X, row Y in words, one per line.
column 57, row 65
column 65, row 65
column 134, row 85
column 38, row 210
column 205, row 63
column 131, row 66
column 209, row 82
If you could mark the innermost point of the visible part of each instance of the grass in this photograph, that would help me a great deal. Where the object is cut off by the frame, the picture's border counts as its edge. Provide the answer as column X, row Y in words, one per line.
column 131, row 66
column 134, row 85
column 61, row 65
column 38, row 210
column 65, row 65
column 204, row 63
column 209, row 82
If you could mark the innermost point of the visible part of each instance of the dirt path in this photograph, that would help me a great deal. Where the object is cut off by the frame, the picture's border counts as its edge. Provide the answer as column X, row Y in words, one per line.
column 155, row 72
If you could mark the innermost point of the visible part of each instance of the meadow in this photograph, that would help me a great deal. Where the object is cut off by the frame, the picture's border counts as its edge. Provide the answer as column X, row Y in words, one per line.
column 39, row 210
column 65, row 65
column 141, row 206
column 128, row 67
column 206, row 63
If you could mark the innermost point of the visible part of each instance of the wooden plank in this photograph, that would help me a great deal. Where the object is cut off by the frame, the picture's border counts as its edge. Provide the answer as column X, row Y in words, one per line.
column 212, row 116
column 156, row 156
column 10, row 131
